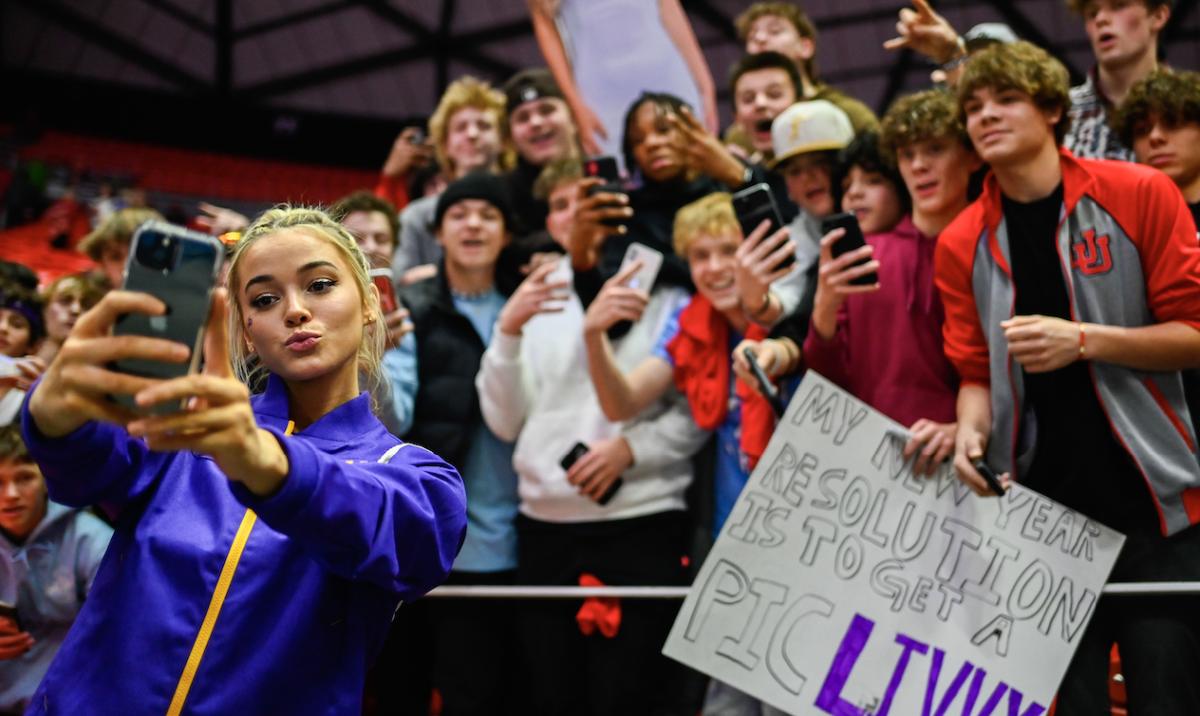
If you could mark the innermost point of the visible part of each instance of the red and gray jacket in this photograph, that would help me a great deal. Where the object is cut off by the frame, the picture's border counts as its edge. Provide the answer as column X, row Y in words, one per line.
column 1127, row 248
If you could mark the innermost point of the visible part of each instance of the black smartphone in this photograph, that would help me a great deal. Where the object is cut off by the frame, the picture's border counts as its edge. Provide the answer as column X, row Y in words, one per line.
column 752, row 205
column 605, row 168
column 989, row 476
column 851, row 240
column 178, row 267
column 579, row 450
column 765, row 386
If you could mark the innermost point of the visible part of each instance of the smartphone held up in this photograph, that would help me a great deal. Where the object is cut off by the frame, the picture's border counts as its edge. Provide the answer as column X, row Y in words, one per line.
column 755, row 204
column 180, row 268
column 851, row 240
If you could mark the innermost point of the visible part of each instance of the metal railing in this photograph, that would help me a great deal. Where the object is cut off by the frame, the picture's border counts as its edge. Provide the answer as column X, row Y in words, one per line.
column 539, row 592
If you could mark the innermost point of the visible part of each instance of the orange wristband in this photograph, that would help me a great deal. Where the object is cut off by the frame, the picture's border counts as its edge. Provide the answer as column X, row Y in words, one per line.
column 1082, row 342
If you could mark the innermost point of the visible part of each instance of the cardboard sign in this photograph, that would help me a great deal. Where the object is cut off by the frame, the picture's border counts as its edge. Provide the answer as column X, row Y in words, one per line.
column 844, row 584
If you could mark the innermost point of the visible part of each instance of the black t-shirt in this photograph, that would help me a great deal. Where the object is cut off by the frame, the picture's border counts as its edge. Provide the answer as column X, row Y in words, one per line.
column 1077, row 459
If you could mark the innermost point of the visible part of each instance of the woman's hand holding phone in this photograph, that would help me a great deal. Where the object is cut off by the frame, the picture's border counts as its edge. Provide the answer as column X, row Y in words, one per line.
column 218, row 420
column 835, row 281
column 76, row 386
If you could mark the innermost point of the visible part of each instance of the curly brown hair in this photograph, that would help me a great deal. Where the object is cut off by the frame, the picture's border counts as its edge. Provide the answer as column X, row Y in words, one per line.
column 930, row 114
column 1025, row 67
column 1171, row 97
column 788, row 11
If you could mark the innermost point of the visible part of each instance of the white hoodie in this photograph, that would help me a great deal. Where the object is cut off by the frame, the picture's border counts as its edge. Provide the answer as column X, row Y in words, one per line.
column 534, row 389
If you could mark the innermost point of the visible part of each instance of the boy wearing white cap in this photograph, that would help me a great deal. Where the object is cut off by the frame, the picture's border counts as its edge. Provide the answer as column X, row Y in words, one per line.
column 806, row 138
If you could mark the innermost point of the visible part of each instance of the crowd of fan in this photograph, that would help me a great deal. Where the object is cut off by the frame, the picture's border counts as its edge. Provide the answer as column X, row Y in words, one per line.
column 518, row 336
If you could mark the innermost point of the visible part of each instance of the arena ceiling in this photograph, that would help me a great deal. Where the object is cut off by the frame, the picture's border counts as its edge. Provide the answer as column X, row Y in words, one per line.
column 389, row 59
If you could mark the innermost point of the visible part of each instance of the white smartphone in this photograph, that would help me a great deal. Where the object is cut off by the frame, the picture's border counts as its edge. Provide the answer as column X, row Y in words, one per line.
column 651, row 262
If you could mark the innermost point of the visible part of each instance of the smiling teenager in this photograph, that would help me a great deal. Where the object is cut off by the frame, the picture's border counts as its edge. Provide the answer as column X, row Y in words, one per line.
column 49, row 555
column 263, row 542
column 454, row 316
column 466, row 129
column 1072, row 294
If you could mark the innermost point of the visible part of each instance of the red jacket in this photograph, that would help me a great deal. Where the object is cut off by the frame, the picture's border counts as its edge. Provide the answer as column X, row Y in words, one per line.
column 1127, row 245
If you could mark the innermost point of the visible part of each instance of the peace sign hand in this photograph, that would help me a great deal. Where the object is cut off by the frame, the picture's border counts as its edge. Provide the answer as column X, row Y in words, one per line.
column 926, row 32
column 703, row 151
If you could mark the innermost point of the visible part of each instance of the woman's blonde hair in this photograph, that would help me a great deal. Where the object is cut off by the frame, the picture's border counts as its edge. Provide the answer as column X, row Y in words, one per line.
column 316, row 223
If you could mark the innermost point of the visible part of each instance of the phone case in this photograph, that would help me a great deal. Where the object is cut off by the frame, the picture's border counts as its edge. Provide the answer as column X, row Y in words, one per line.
column 383, row 280
column 853, row 239
column 180, row 268
column 651, row 263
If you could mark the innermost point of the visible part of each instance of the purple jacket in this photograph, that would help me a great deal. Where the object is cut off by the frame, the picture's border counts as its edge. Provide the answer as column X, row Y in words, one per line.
column 219, row 602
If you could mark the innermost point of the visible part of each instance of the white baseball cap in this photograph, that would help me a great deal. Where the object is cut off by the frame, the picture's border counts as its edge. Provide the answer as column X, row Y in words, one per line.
column 810, row 126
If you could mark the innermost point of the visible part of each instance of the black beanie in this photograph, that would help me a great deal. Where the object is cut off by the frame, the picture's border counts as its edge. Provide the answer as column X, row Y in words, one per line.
column 476, row 185
column 528, row 85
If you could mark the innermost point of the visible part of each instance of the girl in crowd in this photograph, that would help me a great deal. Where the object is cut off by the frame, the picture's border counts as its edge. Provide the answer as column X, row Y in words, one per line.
column 674, row 161
column 263, row 543
column 21, row 328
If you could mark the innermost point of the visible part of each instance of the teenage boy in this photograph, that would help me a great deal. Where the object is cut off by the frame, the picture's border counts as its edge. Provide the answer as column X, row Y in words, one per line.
column 1160, row 120
column 807, row 138
column 1124, row 38
column 1072, row 295
column 465, row 130
column 453, row 314
column 541, row 130
column 692, row 357
column 49, row 555
column 913, row 384
column 784, row 28
column 763, row 84
column 534, row 389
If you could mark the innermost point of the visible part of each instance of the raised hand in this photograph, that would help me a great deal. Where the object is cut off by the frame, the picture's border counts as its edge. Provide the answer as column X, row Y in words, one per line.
column 76, row 385
column 703, row 151
column 218, row 220
column 407, row 155
column 834, row 281
column 218, row 421
column 759, row 260
column 588, row 230
column 924, row 31
column 535, row 295
column 616, row 302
